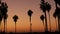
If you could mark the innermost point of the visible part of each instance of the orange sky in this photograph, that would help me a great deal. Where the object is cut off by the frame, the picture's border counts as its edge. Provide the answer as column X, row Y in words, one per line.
column 20, row 8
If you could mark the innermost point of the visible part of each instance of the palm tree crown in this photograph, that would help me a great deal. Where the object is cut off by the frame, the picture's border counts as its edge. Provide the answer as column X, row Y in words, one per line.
column 15, row 18
column 30, row 13
column 48, row 6
column 57, row 11
column 57, row 1
column 43, row 6
column 42, row 17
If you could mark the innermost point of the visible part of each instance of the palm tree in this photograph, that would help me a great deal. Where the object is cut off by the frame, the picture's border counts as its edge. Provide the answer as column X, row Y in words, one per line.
column 0, row 14
column 15, row 17
column 54, row 15
column 42, row 18
column 30, row 14
column 57, row 2
column 48, row 6
column 0, row 20
column 57, row 12
column 43, row 7
column 4, row 11
column 5, row 17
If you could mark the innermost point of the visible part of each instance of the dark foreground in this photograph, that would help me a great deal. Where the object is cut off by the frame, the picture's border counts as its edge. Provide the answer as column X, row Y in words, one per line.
column 33, row 33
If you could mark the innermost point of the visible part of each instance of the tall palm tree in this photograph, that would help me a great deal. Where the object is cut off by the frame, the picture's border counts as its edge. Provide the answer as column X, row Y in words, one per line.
column 54, row 15
column 57, row 11
column 5, row 17
column 57, row 2
column 30, row 14
column 43, row 7
column 0, row 21
column 57, row 14
column 4, row 9
column 42, row 18
column 48, row 6
column 15, row 17
column 0, row 14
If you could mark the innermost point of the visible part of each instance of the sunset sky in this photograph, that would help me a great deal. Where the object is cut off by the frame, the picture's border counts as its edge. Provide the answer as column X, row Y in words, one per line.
column 20, row 8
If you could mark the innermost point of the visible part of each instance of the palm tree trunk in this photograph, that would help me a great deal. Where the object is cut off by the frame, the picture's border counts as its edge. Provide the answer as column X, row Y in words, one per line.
column 0, row 27
column 56, row 5
column 15, row 27
column 49, row 22
column 46, row 30
column 59, row 22
column 43, row 24
column 4, row 25
column 30, row 25
column 56, row 25
column 56, row 22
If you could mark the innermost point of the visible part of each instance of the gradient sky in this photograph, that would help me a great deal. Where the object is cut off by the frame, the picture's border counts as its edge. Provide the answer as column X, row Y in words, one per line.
column 20, row 8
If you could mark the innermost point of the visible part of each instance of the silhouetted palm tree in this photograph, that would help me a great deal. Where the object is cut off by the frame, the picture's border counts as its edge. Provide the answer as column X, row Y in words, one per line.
column 54, row 15
column 42, row 18
column 57, row 2
column 0, row 14
column 5, row 17
column 48, row 6
column 0, row 20
column 30, row 14
column 57, row 14
column 43, row 7
column 4, row 12
column 15, row 17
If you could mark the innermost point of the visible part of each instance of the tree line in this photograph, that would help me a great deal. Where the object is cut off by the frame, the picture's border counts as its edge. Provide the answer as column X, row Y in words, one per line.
column 44, row 6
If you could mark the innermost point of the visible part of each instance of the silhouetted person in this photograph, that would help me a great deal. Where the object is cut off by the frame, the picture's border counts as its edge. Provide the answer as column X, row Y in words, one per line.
column 30, row 14
column 15, row 17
